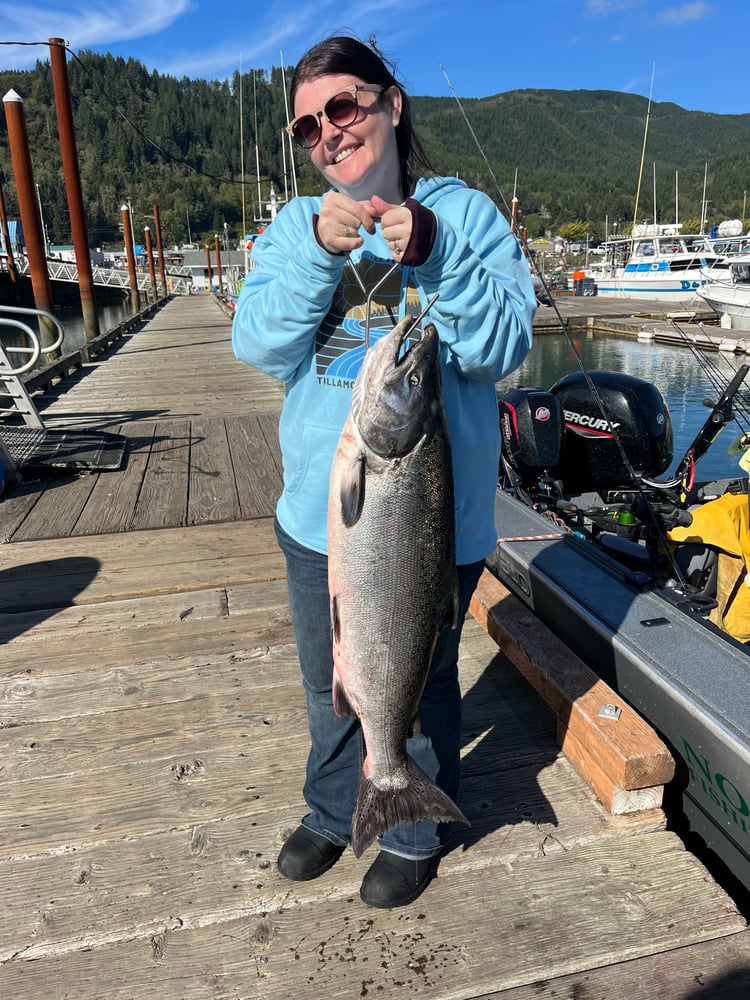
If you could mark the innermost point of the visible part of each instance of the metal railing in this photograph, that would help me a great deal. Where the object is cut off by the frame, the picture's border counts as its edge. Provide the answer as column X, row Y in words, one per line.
column 34, row 348
column 109, row 277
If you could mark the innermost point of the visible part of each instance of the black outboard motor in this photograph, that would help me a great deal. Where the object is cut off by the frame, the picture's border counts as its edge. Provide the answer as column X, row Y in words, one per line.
column 531, row 432
column 635, row 412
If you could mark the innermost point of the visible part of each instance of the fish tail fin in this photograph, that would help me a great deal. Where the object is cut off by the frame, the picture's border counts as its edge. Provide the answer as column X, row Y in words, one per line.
column 378, row 810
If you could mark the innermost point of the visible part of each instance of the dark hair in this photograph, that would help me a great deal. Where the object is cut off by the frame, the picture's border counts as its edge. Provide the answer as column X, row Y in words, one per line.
column 341, row 55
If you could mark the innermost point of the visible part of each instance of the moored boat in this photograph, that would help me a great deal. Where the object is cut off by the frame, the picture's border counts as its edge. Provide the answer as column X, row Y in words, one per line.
column 656, row 262
column 606, row 555
column 727, row 291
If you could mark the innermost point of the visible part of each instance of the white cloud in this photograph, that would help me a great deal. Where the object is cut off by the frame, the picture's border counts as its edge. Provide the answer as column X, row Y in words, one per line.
column 91, row 23
column 81, row 24
column 603, row 8
column 695, row 11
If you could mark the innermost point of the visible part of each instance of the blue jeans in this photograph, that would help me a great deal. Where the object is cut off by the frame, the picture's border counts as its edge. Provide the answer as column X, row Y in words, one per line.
column 337, row 749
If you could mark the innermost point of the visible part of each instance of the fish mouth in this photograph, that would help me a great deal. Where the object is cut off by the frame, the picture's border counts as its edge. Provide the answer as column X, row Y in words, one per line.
column 417, row 354
column 397, row 400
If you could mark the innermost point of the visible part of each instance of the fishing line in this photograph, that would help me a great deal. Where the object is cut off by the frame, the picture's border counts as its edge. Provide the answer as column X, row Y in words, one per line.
column 636, row 481
column 714, row 373
column 558, row 315
column 169, row 157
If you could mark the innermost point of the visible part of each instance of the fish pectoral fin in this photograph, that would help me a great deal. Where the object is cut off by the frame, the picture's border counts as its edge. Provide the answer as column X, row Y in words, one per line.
column 341, row 703
column 352, row 491
column 335, row 620
column 451, row 615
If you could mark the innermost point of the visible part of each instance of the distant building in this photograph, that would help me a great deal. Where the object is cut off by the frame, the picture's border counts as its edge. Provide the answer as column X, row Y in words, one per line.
column 17, row 242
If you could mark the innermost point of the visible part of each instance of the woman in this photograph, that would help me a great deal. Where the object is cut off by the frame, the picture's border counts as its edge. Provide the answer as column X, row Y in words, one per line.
column 301, row 318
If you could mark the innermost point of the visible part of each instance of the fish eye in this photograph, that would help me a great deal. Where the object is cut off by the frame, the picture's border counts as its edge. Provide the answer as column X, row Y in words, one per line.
column 414, row 379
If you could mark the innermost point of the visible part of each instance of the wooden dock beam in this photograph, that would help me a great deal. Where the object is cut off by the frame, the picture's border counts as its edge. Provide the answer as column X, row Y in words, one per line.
column 616, row 751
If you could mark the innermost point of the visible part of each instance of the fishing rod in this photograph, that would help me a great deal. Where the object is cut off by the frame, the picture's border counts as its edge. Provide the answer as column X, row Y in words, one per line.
column 713, row 372
column 656, row 521
column 731, row 404
column 555, row 308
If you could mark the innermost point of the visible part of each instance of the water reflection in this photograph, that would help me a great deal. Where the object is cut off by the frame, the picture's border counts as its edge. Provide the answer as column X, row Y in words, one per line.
column 674, row 370
column 110, row 314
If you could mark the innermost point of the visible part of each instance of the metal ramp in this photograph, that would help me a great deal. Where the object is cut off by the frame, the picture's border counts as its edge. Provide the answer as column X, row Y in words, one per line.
column 33, row 446
column 77, row 450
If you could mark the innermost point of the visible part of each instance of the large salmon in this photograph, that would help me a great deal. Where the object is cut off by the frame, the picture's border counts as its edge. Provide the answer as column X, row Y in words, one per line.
column 392, row 572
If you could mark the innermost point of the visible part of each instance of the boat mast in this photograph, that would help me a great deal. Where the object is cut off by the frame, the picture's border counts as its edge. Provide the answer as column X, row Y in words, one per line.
column 257, row 156
column 285, row 137
column 643, row 151
column 242, row 174
column 704, row 205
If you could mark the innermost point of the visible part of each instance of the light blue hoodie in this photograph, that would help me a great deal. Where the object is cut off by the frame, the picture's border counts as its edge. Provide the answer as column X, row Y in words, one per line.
column 301, row 319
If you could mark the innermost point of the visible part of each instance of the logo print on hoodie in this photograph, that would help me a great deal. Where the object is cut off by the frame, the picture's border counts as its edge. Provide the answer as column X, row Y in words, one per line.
column 340, row 340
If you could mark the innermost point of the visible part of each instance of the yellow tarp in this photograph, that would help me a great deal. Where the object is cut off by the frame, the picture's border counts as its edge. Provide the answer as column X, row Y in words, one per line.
column 724, row 524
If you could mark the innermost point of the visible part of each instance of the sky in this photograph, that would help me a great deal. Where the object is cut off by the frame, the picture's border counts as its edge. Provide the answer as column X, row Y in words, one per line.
column 690, row 52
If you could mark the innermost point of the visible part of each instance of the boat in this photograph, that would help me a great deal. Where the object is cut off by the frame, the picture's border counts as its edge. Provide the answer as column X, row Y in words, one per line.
column 656, row 262
column 727, row 291
column 604, row 553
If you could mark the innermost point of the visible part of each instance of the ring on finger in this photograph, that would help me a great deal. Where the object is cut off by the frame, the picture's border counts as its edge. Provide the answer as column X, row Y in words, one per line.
column 396, row 247
column 347, row 231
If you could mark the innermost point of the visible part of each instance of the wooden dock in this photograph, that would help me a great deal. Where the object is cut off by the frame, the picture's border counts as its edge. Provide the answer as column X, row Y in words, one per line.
column 153, row 742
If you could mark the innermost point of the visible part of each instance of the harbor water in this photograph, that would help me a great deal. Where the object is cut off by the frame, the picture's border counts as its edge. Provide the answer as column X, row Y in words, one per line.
column 675, row 371
column 110, row 313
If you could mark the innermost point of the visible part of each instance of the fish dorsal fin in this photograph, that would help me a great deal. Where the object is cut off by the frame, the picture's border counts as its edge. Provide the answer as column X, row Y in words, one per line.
column 352, row 491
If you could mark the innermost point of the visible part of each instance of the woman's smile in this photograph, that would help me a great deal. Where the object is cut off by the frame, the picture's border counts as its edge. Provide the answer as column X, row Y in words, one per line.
column 360, row 159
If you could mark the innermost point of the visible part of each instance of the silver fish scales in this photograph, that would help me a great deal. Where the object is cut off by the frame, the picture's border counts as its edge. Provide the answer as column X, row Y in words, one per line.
column 392, row 574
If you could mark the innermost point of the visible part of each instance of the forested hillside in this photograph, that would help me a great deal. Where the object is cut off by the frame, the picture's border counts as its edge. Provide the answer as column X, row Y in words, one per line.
column 145, row 138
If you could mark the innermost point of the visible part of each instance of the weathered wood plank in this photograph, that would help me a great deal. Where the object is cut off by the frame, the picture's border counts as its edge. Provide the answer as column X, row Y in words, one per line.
column 68, row 624
column 162, row 502
column 90, row 720
column 201, row 638
column 334, row 947
column 16, row 506
column 113, row 499
column 108, row 617
column 255, row 468
column 212, row 489
column 717, row 970
column 34, row 696
column 626, row 748
column 57, row 509
column 269, row 425
column 227, row 853
column 119, row 566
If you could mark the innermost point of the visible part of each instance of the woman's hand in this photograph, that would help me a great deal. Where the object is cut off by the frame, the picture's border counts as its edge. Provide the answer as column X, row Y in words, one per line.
column 396, row 224
column 339, row 222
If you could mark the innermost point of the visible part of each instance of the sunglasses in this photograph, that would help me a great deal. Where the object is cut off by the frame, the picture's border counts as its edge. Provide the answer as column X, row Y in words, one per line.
column 341, row 111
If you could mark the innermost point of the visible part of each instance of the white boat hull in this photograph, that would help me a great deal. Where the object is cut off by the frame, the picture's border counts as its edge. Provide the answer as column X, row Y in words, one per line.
column 656, row 263
column 729, row 300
